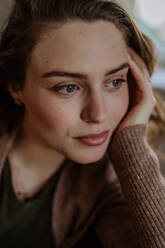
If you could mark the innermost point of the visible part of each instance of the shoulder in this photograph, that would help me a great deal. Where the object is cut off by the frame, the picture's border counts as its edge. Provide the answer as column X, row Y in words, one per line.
column 6, row 141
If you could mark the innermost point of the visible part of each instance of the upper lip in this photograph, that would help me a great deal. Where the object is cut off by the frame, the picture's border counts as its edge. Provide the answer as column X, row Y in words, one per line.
column 94, row 135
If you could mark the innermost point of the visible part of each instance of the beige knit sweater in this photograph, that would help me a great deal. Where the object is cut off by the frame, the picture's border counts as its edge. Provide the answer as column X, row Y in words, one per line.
column 121, row 200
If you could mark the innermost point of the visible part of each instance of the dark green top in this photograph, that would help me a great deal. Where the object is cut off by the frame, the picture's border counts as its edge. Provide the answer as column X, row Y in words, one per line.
column 26, row 224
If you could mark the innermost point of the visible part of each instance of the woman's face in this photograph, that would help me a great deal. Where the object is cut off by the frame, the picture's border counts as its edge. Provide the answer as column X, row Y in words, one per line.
column 76, row 86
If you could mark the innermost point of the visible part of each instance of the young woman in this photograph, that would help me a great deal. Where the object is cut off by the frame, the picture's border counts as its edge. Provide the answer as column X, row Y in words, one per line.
column 76, row 167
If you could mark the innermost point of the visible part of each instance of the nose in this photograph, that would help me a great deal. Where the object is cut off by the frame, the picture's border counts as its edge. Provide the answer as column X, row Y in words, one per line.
column 94, row 110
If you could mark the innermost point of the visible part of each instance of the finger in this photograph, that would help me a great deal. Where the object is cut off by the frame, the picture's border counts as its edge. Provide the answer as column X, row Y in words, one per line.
column 137, row 72
column 139, row 62
column 141, row 81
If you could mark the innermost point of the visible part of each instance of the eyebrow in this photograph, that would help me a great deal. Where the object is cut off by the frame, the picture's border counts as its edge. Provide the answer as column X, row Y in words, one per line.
column 79, row 75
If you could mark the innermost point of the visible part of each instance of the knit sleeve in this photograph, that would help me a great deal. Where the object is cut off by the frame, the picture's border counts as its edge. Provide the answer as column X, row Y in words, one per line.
column 143, row 186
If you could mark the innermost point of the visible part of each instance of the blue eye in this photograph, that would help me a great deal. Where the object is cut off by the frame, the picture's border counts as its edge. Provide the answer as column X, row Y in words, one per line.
column 115, row 84
column 66, row 89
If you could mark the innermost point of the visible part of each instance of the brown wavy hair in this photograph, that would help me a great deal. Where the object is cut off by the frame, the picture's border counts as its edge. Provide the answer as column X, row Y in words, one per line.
column 29, row 19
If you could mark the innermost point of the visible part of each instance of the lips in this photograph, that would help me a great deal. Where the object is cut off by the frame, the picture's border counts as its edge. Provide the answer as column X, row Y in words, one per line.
column 94, row 139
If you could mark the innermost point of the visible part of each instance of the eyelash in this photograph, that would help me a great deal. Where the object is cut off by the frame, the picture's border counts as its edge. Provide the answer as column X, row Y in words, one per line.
column 120, row 81
column 61, row 87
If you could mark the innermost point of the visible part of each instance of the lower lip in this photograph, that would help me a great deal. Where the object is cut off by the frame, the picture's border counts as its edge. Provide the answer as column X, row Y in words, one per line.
column 94, row 141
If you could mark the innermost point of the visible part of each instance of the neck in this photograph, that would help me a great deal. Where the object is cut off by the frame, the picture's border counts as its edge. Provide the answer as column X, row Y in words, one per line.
column 32, row 162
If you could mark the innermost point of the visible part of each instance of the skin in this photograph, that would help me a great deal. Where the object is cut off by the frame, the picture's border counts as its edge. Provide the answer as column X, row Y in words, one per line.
column 55, row 118
column 144, row 100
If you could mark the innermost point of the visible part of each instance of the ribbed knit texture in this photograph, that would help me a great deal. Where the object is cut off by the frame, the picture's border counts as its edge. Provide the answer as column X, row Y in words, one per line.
column 143, row 186
column 125, row 209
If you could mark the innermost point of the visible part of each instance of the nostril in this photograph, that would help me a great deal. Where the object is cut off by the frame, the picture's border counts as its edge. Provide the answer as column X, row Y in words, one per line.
column 94, row 113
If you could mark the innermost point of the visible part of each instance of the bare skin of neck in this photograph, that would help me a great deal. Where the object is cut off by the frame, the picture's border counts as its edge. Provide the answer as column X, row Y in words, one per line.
column 31, row 166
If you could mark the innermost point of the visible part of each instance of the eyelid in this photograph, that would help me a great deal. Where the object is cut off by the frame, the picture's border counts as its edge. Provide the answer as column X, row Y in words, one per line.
column 122, row 73
column 61, row 82
column 58, row 88
column 55, row 85
column 120, row 78
column 65, row 83
column 116, row 76
column 117, row 79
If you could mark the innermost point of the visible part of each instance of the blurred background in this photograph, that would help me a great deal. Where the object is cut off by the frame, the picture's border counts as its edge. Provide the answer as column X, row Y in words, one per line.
column 150, row 18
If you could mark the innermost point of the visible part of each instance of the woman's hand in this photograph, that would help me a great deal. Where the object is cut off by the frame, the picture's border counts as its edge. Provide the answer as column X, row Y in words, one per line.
column 141, row 96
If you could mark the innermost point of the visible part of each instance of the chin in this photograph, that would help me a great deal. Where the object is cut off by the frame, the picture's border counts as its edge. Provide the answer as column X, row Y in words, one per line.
column 88, row 159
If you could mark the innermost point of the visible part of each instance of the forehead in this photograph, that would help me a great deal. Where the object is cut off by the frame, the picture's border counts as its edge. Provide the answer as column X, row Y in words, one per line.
column 79, row 43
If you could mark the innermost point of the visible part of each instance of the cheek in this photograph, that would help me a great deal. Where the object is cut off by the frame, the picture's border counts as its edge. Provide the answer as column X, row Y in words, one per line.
column 120, row 106
column 50, row 113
